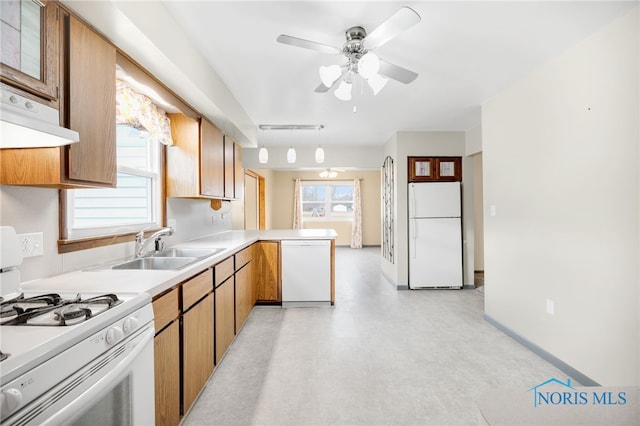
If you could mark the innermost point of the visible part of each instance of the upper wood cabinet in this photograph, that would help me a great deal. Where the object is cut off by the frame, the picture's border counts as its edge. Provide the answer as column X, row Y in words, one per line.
column 30, row 47
column 90, row 100
column 87, row 105
column 202, row 163
column 212, row 160
column 439, row 169
column 229, row 167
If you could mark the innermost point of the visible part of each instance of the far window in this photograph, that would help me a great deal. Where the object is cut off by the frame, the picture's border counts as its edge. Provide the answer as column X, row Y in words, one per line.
column 327, row 201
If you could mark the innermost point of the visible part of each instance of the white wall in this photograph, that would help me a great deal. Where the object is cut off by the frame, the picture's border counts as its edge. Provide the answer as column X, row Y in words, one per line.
column 561, row 160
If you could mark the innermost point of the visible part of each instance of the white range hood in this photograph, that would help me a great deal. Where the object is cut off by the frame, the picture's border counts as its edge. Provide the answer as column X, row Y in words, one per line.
column 28, row 124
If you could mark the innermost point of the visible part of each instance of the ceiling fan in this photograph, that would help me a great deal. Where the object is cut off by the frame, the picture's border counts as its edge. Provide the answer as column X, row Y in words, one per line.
column 360, row 58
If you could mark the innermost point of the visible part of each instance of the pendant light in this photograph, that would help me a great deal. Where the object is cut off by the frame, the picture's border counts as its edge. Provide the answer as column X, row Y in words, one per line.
column 319, row 155
column 291, row 155
column 263, row 155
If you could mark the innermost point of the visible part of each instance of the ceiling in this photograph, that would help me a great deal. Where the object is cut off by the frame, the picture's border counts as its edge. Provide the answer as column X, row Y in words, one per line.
column 464, row 53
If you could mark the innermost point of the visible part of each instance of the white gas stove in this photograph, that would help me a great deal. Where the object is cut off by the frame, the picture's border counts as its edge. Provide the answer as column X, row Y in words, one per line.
column 72, row 357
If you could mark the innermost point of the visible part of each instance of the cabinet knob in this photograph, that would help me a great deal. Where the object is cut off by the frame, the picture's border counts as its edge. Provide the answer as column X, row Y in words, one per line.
column 29, row 105
column 13, row 99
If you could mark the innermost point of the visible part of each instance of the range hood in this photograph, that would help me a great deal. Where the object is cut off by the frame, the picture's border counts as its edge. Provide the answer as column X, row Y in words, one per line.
column 28, row 124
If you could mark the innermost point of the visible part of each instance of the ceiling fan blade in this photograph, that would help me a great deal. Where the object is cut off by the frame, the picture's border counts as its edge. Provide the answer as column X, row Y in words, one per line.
column 322, row 88
column 308, row 44
column 396, row 72
column 400, row 21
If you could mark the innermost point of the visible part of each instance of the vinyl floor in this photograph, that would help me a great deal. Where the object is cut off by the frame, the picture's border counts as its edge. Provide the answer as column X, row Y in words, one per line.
column 378, row 357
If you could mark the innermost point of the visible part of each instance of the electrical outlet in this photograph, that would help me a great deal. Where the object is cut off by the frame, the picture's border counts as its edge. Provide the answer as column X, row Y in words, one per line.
column 31, row 244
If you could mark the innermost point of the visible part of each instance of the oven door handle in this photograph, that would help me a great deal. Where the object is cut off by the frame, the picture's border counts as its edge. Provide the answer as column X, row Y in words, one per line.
column 103, row 384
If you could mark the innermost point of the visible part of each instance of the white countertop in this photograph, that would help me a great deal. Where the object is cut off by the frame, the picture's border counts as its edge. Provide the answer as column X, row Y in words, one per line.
column 155, row 282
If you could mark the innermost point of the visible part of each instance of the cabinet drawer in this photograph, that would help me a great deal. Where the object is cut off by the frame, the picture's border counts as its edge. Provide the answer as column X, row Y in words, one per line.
column 224, row 270
column 197, row 287
column 165, row 309
column 243, row 257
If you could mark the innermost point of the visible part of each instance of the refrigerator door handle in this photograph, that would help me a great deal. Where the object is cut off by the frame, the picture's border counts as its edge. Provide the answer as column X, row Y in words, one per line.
column 412, row 198
column 414, row 235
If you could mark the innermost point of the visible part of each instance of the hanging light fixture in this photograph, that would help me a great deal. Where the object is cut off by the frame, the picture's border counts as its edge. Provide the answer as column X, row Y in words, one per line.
column 291, row 155
column 319, row 155
column 343, row 92
column 329, row 75
column 328, row 173
column 368, row 65
column 263, row 155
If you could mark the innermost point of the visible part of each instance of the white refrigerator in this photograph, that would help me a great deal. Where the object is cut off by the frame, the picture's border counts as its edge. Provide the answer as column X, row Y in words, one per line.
column 435, row 235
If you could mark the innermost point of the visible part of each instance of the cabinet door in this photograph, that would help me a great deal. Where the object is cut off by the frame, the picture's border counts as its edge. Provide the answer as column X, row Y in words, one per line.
column 30, row 38
column 166, row 347
column 197, row 349
column 91, row 103
column 183, row 158
column 229, row 167
column 225, row 316
column 268, row 287
column 211, row 160
column 244, row 294
column 238, row 192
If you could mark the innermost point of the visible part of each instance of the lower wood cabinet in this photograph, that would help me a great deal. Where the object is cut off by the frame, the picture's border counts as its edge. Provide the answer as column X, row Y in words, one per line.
column 167, row 358
column 167, row 375
column 267, row 269
column 225, row 316
column 245, row 294
column 197, row 348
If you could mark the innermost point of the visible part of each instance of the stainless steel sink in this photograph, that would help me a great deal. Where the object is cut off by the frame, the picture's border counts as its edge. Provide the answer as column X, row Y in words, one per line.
column 187, row 252
column 150, row 263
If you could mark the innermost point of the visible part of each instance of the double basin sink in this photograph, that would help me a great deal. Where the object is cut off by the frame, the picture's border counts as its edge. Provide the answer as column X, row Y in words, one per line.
column 170, row 259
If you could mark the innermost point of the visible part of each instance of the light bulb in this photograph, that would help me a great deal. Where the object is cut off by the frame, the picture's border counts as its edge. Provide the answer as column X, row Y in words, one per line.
column 291, row 155
column 377, row 82
column 343, row 92
column 368, row 65
column 319, row 155
column 329, row 75
column 263, row 155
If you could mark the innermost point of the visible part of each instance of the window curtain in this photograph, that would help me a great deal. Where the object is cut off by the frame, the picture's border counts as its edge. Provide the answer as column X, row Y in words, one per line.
column 139, row 111
column 356, row 225
column 297, row 205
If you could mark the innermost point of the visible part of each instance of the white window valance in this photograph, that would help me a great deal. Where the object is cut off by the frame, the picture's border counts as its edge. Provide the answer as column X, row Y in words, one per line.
column 141, row 112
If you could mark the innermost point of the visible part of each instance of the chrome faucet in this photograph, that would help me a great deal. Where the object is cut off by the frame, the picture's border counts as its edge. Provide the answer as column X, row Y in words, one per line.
column 142, row 243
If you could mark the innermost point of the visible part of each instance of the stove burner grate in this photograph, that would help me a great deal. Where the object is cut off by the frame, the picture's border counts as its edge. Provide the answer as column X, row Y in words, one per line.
column 52, row 310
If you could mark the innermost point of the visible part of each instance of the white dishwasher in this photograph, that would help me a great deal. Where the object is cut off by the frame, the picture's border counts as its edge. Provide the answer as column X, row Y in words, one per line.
column 306, row 273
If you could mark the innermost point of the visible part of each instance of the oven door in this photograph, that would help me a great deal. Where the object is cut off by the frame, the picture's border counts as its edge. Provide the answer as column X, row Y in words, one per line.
column 116, row 388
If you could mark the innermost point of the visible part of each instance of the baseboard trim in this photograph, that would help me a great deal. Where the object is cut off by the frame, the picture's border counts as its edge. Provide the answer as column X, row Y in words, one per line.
column 468, row 287
column 553, row 360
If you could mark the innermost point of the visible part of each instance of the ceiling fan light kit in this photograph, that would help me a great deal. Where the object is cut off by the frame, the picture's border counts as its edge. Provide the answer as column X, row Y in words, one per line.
column 343, row 92
column 360, row 60
column 328, row 173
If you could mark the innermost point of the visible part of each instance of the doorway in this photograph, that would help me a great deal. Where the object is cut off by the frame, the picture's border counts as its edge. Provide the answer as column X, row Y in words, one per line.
column 254, row 201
